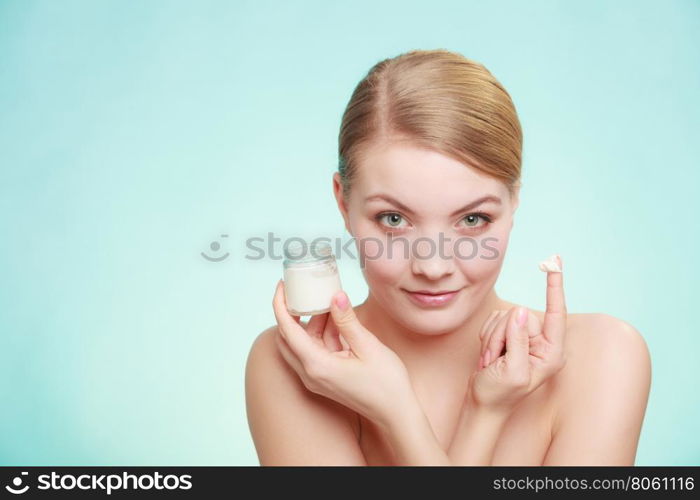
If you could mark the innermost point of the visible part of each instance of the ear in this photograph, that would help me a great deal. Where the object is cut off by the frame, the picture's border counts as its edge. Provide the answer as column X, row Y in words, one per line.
column 340, row 200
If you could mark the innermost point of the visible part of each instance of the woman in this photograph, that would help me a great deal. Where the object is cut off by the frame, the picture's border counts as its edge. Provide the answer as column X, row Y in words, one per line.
column 430, row 154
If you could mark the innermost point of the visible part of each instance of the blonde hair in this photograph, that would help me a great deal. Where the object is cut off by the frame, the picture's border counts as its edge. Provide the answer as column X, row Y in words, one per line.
column 439, row 100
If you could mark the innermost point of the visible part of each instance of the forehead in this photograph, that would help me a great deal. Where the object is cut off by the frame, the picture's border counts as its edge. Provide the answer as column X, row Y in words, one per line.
column 423, row 178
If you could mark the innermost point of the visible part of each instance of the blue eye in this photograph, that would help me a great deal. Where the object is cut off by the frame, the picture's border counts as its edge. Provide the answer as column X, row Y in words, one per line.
column 472, row 219
column 392, row 216
column 394, row 219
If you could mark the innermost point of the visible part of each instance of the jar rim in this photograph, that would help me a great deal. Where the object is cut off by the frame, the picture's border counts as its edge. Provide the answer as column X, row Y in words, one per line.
column 299, row 251
column 307, row 263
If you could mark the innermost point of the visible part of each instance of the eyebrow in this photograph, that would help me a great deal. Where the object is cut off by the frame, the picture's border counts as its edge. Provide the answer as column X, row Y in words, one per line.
column 484, row 199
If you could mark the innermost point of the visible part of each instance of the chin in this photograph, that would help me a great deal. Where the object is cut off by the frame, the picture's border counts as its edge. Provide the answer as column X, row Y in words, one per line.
column 432, row 324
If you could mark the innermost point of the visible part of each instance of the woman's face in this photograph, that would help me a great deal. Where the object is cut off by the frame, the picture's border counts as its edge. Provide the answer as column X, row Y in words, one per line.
column 419, row 224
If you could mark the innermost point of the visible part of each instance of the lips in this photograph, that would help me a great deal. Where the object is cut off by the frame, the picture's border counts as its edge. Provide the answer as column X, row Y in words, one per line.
column 426, row 298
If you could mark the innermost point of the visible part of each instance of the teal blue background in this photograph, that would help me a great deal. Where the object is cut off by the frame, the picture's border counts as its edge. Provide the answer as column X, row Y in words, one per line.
column 133, row 134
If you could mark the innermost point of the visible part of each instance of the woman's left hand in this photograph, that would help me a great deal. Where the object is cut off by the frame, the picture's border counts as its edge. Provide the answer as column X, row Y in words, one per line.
column 546, row 340
column 368, row 377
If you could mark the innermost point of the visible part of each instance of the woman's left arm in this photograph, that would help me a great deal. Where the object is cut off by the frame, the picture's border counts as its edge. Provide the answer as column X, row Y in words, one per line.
column 604, row 399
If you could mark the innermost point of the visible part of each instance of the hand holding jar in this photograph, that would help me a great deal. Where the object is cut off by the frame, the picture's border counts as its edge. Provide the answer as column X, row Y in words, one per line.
column 366, row 377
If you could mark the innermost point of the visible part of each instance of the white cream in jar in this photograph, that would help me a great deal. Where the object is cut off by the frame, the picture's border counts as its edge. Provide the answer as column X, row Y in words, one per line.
column 311, row 278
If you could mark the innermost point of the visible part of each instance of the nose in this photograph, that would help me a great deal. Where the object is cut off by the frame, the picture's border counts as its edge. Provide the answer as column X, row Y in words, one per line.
column 431, row 258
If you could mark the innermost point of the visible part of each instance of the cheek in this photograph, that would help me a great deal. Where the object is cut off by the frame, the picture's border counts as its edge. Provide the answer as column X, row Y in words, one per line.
column 480, row 259
column 495, row 244
column 378, row 264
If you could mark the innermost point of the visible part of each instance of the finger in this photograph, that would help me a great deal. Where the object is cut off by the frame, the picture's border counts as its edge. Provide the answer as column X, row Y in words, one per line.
column 331, row 337
column 297, row 339
column 490, row 329
column 317, row 325
column 361, row 340
column 517, row 342
column 497, row 339
column 288, row 355
column 485, row 326
column 534, row 327
column 484, row 344
column 486, row 356
column 344, row 343
column 498, row 335
column 554, row 328
column 295, row 317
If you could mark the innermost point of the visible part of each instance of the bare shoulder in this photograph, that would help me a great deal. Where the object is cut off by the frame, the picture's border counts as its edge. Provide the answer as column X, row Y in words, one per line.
column 291, row 425
column 601, row 393
column 595, row 334
column 604, row 337
column 604, row 350
column 266, row 365
column 607, row 359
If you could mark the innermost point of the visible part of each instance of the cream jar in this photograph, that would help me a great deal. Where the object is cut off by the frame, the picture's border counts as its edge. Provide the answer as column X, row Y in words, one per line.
column 311, row 278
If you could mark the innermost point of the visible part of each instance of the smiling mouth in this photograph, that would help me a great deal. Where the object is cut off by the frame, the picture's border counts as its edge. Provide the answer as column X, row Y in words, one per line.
column 427, row 292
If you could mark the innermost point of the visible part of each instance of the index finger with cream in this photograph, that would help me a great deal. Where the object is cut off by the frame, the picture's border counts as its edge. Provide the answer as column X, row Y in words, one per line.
column 554, row 327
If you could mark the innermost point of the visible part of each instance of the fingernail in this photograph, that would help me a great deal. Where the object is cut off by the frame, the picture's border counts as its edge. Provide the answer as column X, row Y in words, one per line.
column 522, row 316
column 487, row 358
column 481, row 361
column 341, row 300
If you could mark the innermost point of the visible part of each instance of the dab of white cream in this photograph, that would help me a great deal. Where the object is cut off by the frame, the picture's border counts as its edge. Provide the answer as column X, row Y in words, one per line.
column 550, row 265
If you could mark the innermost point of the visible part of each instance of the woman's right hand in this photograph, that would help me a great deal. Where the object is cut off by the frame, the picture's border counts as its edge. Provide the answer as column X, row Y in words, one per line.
column 533, row 352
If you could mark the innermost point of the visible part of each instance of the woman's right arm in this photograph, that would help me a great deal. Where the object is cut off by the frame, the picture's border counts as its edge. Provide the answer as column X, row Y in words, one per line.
column 291, row 425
